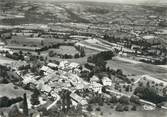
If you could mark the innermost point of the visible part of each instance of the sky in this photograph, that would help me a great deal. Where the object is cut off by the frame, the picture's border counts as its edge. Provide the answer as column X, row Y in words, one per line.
column 133, row 1
column 156, row 2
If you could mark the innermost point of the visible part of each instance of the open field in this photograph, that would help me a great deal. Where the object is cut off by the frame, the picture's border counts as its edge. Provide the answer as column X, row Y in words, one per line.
column 69, row 50
column 82, row 60
column 33, row 42
column 128, row 60
column 137, row 69
column 9, row 91
column 5, row 60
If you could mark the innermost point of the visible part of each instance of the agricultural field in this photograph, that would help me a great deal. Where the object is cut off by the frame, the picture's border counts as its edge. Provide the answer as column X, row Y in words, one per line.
column 69, row 50
column 12, row 91
column 4, row 60
column 32, row 42
column 137, row 69
column 81, row 60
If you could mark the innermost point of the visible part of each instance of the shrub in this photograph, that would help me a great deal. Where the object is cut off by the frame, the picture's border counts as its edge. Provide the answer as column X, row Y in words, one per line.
column 89, row 108
column 98, row 109
column 124, row 100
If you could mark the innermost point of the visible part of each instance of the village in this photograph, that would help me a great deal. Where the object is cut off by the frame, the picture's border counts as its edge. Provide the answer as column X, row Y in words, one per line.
column 71, row 72
column 72, row 59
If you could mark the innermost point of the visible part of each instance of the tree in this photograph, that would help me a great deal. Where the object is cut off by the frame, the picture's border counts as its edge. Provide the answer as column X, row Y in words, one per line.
column 41, row 73
column 119, row 107
column 41, row 58
column 89, row 108
column 148, row 84
column 66, row 99
column 124, row 100
column 149, row 94
column 82, row 52
column 51, row 54
column 6, row 102
column 25, row 106
column 35, row 97
column 135, row 99
column 113, row 99
column 133, row 108
column 98, row 109
column 42, row 43
column 119, row 71
column 126, row 108
column 76, row 55
column 127, row 88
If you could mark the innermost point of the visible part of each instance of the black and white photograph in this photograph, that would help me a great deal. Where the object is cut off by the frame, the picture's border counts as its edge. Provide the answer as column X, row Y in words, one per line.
column 83, row 58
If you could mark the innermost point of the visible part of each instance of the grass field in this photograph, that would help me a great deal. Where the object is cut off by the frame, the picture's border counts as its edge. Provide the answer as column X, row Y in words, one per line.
column 81, row 60
column 5, row 60
column 33, row 42
column 138, row 69
column 69, row 50
column 9, row 91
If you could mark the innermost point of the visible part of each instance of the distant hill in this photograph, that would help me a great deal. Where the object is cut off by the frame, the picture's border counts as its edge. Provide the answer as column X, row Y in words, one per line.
column 35, row 11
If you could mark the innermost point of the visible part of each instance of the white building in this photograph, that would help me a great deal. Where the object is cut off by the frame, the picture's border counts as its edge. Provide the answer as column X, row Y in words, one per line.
column 94, row 79
column 96, row 87
column 106, row 81
column 78, row 99
column 47, row 70
column 52, row 65
column 63, row 64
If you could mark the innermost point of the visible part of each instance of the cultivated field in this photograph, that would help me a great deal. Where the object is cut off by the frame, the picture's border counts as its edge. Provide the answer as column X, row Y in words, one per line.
column 138, row 69
column 69, row 50
column 33, row 42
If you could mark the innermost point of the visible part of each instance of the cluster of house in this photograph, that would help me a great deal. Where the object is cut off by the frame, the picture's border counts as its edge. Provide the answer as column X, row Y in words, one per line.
column 56, row 77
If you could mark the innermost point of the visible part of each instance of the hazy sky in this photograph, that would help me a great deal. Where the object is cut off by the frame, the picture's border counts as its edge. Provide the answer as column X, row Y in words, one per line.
column 119, row 1
column 132, row 1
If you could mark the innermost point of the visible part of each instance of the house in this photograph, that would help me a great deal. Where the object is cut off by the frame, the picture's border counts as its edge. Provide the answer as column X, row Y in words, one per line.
column 29, row 79
column 63, row 64
column 50, row 76
column 73, row 65
column 94, row 79
column 74, row 103
column 80, row 86
column 106, row 81
column 78, row 99
column 47, row 70
column 46, row 88
column 74, row 79
column 53, row 65
column 97, row 87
